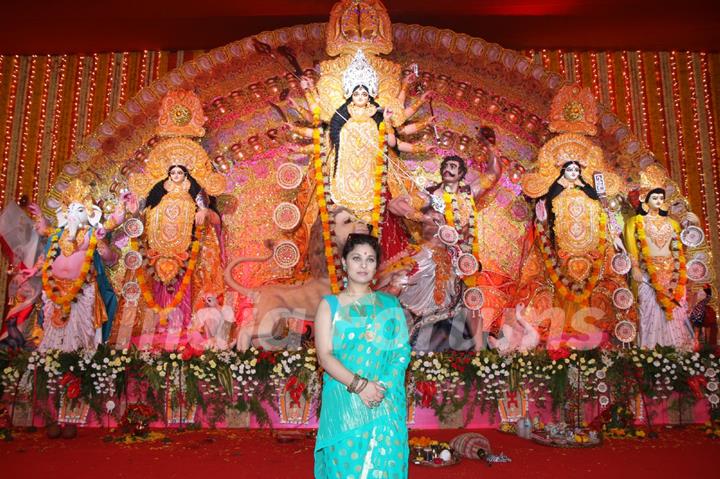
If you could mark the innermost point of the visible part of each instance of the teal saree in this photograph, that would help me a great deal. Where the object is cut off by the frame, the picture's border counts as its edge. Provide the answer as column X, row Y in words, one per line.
column 370, row 338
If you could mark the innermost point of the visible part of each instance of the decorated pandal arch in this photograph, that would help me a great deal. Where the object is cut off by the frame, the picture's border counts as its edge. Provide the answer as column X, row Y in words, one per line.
column 549, row 245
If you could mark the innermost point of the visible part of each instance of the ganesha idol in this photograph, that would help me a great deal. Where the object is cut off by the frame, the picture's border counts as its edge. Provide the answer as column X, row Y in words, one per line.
column 78, row 302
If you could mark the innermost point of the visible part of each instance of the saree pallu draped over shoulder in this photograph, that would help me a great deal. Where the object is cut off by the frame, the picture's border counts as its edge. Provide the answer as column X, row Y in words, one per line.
column 370, row 338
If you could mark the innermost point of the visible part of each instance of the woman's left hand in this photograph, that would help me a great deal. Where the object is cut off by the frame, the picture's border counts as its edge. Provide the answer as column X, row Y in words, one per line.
column 373, row 394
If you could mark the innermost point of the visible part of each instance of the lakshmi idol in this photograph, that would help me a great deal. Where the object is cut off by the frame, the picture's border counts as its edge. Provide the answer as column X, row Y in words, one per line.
column 180, row 242
column 658, row 272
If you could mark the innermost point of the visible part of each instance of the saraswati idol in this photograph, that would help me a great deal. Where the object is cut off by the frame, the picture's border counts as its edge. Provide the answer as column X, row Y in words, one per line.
column 577, row 237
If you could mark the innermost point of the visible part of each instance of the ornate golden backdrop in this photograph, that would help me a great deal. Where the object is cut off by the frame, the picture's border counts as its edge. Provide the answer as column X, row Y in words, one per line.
column 53, row 108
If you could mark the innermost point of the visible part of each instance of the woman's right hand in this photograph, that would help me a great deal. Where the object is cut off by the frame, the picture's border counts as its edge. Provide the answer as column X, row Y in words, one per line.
column 373, row 392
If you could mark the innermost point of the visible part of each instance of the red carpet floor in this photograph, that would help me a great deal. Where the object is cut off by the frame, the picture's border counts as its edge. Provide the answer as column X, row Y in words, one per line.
column 677, row 454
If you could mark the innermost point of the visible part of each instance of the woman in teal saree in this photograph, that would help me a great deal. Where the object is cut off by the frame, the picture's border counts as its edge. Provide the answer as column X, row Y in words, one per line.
column 362, row 343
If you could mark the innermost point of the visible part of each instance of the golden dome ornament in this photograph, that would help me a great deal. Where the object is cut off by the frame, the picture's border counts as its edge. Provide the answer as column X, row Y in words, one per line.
column 574, row 110
column 357, row 24
column 181, row 114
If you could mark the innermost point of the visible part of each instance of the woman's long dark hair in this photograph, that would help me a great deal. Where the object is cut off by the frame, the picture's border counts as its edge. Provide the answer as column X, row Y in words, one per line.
column 556, row 188
column 356, row 239
column 654, row 191
column 342, row 115
column 158, row 190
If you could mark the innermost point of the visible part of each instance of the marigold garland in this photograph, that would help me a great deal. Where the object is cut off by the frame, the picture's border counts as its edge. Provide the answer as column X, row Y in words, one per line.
column 321, row 190
column 323, row 198
column 442, row 274
column 452, row 217
column 49, row 281
column 184, row 283
column 558, row 278
column 380, row 181
column 670, row 298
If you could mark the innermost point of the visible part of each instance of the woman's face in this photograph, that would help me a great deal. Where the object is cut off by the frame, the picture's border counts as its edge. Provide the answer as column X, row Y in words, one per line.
column 656, row 200
column 572, row 172
column 360, row 97
column 360, row 264
column 177, row 175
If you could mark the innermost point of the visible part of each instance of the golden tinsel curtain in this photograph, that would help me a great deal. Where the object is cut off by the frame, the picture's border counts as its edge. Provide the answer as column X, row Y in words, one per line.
column 48, row 104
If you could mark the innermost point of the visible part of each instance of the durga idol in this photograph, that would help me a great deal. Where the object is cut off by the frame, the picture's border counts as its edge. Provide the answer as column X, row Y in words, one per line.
column 358, row 117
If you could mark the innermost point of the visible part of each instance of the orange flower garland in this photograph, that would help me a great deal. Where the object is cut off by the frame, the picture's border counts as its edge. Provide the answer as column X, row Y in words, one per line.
column 452, row 216
column 379, row 186
column 320, row 191
column 671, row 297
column 322, row 188
column 184, row 283
column 442, row 273
column 471, row 281
column 48, row 281
column 556, row 275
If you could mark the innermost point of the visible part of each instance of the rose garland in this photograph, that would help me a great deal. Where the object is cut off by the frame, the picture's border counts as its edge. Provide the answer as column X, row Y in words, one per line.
column 184, row 283
column 452, row 216
column 668, row 299
column 558, row 279
column 321, row 191
column 48, row 279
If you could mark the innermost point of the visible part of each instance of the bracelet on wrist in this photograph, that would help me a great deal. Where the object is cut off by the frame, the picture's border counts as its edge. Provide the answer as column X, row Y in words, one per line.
column 361, row 386
column 351, row 388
